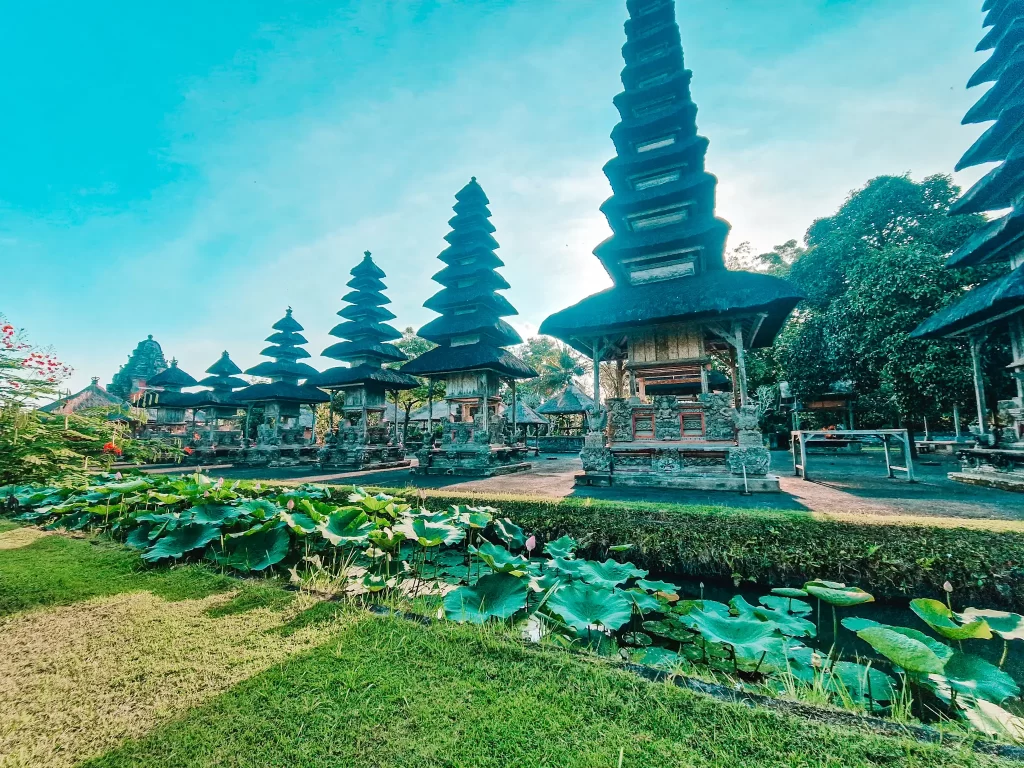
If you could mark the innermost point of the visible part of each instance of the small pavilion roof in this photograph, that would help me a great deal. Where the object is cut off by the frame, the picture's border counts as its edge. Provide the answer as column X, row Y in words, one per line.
column 716, row 294
column 997, row 241
column 440, row 412
column 288, row 324
column 282, row 392
column 570, row 400
column 93, row 396
column 172, row 377
column 987, row 303
column 469, row 357
column 223, row 382
column 524, row 415
column 224, row 367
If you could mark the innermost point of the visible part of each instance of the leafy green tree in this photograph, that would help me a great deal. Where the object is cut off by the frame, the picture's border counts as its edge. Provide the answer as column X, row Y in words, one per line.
column 559, row 365
column 408, row 400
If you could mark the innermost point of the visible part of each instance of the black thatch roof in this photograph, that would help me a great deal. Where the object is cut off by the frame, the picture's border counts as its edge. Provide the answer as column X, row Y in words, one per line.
column 362, row 374
column 571, row 400
column 524, row 415
column 214, row 398
column 225, row 367
column 223, row 382
column 169, row 399
column 346, row 350
column 172, row 377
column 282, row 367
column 285, row 350
column 987, row 302
column 998, row 241
column 713, row 295
column 280, row 391
column 93, row 396
column 441, row 412
column 469, row 357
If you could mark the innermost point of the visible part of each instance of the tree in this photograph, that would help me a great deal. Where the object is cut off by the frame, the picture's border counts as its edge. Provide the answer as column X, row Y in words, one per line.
column 409, row 400
column 871, row 273
column 559, row 365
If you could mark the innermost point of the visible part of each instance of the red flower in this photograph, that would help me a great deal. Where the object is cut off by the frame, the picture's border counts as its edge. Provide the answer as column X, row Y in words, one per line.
column 111, row 448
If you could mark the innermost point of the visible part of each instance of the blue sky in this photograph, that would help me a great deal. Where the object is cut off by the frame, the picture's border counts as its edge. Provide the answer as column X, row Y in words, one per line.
column 191, row 169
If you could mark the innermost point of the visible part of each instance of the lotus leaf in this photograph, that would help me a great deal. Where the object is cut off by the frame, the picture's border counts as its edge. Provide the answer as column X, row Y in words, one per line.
column 825, row 584
column 501, row 560
column 975, row 677
column 429, row 534
column 789, row 592
column 640, row 639
column 450, row 557
column 749, row 639
column 660, row 658
column 684, row 607
column 562, row 547
column 566, row 566
column 608, row 574
column 672, row 628
column 258, row 548
column 839, row 596
column 261, row 509
column 349, row 525
column 496, row 595
column 166, row 498
column 215, row 514
column 128, row 486
column 805, row 664
column 299, row 522
column 995, row 721
column 789, row 624
column 940, row 618
column 544, row 582
column 184, row 539
column 941, row 650
column 138, row 537
column 644, row 602
column 786, row 605
column 906, row 652
column 861, row 682
column 474, row 518
column 510, row 533
column 739, row 606
column 662, row 587
column 1009, row 626
column 583, row 605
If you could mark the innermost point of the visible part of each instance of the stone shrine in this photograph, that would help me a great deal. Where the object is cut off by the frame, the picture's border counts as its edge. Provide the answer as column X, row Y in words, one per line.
column 470, row 356
column 221, row 435
column 675, row 315
column 363, row 439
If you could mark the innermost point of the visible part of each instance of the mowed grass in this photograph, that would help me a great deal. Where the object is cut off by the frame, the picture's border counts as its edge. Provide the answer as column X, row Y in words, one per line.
column 257, row 677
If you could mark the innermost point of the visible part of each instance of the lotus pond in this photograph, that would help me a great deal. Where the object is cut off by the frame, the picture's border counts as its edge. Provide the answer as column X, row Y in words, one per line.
column 819, row 642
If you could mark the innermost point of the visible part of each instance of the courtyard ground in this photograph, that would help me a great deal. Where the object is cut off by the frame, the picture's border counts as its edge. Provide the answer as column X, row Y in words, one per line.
column 105, row 663
column 838, row 484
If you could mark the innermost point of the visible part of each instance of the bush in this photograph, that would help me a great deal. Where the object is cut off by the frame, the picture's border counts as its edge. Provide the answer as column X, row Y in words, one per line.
column 897, row 557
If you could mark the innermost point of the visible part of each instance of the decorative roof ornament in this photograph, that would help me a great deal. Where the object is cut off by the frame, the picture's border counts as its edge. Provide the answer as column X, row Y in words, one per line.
column 145, row 361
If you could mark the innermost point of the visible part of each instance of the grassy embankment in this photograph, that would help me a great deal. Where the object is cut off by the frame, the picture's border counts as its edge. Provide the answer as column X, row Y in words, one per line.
column 105, row 661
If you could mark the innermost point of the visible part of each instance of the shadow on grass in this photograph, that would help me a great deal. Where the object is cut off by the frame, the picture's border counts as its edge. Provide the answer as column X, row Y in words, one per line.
column 386, row 692
column 60, row 570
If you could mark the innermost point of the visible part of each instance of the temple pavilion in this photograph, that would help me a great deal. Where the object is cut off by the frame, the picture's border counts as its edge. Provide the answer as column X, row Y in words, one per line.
column 164, row 397
column 93, row 396
column 281, row 437
column 145, row 362
column 998, row 305
column 675, row 313
column 567, row 412
column 221, row 434
column 364, row 440
column 470, row 356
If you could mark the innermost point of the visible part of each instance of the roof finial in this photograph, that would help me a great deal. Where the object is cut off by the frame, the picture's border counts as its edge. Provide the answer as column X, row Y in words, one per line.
column 366, row 254
column 95, row 380
column 473, row 178
column 289, row 311
column 150, row 337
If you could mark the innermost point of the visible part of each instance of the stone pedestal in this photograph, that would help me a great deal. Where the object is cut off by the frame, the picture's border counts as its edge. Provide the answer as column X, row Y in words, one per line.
column 468, row 449
column 347, row 450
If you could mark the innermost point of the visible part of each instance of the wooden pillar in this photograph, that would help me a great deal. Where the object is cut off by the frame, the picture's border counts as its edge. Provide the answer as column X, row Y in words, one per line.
column 956, row 420
column 515, row 428
column 365, row 419
column 927, row 432
column 632, row 383
column 979, row 383
column 597, row 371
column 741, row 361
column 849, row 406
column 429, row 441
column 312, row 431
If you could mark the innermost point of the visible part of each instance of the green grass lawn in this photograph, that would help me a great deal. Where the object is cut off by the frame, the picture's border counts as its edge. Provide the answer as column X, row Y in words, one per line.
column 106, row 663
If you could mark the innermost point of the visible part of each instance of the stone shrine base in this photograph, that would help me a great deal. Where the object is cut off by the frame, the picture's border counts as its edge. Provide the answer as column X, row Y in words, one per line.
column 1004, row 481
column 702, row 482
column 472, row 460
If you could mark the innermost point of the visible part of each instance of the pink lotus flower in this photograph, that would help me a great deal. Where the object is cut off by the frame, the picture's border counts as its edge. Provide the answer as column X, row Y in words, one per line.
column 531, row 544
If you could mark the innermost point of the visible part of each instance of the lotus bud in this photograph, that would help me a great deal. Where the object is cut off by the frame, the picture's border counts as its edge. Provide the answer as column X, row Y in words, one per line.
column 948, row 587
column 531, row 544
column 257, row 486
column 118, row 476
column 291, row 504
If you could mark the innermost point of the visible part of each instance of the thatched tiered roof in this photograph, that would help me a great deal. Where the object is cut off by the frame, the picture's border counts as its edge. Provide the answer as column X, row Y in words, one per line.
column 1003, row 187
column 364, row 335
column 221, row 384
column 283, row 370
column 666, row 252
column 470, row 332
column 93, row 396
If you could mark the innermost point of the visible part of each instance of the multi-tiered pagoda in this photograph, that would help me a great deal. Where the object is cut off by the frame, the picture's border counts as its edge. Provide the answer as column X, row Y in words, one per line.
column 281, row 437
column 222, row 434
column 674, row 312
column 363, row 439
column 470, row 356
column 999, row 304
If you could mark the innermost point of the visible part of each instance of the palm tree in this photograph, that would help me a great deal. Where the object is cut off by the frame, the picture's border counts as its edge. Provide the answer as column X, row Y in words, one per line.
column 561, row 368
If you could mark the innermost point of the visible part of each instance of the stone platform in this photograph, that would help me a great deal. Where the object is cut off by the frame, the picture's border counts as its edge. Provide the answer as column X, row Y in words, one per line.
column 696, row 482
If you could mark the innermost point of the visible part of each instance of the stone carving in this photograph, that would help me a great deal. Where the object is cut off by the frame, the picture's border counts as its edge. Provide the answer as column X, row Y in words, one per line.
column 718, row 421
column 266, row 434
column 595, row 456
column 621, row 418
column 756, row 459
column 666, row 417
column 597, row 419
column 665, row 461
